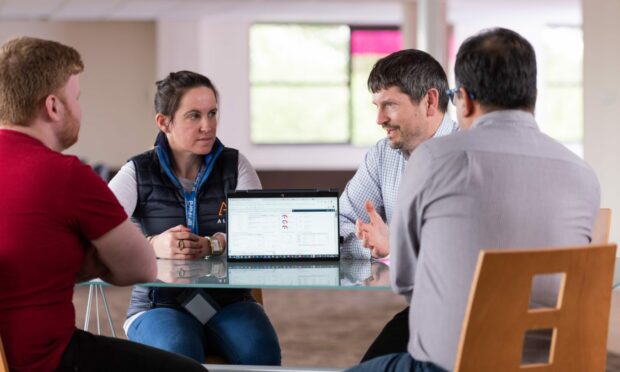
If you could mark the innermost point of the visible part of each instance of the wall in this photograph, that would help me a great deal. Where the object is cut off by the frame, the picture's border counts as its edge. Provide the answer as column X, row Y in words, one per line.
column 520, row 18
column 602, row 100
column 218, row 48
column 117, row 84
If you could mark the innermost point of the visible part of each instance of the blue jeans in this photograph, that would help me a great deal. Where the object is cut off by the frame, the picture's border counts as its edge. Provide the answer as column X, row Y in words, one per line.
column 399, row 362
column 240, row 332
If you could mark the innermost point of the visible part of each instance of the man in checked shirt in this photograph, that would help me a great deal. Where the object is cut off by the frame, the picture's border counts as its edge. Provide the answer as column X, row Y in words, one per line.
column 409, row 90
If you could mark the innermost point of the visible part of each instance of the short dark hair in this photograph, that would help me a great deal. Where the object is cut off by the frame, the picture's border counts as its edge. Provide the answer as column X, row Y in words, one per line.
column 498, row 66
column 413, row 71
column 171, row 89
column 30, row 70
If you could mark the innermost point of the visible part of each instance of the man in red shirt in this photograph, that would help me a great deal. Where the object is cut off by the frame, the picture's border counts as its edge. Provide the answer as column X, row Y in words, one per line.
column 59, row 223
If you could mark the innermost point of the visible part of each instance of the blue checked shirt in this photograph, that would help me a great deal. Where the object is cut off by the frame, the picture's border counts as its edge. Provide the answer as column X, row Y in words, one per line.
column 377, row 180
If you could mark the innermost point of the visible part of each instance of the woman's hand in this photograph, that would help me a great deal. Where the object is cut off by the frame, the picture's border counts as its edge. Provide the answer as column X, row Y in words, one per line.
column 177, row 271
column 179, row 243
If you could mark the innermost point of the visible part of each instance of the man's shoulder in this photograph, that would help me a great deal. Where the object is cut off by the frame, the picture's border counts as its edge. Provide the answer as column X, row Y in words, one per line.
column 516, row 140
column 54, row 161
column 70, row 162
column 444, row 145
column 53, row 169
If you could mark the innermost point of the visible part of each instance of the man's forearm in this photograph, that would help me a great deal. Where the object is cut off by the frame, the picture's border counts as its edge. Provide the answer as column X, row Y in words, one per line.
column 92, row 267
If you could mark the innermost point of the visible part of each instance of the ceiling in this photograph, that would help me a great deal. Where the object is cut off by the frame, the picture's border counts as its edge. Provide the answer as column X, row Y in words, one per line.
column 180, row 9
column 274, row 10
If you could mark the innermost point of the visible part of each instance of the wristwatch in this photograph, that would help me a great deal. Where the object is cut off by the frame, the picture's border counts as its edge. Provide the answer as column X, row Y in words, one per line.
column 216, row 248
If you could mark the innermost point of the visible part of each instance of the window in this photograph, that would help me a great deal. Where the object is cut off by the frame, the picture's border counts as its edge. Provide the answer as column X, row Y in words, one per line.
column 368, row 46
column 308, row 82
column 562, row 85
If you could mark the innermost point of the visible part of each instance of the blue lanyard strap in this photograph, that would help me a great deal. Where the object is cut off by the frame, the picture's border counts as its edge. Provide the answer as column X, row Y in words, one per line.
column 191, row 198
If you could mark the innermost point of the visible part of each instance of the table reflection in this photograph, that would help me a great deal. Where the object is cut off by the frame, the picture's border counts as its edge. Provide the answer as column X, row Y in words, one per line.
column 216, row 272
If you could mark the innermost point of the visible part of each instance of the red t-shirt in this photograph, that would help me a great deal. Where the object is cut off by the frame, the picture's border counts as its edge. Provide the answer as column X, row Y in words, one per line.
column 51, row 205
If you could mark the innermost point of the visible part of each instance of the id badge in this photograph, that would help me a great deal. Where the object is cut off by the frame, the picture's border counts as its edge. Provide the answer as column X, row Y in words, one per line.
column 200, row 305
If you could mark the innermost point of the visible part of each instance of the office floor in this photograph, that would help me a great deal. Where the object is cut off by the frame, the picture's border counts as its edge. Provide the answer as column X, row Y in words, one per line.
column 322, row 328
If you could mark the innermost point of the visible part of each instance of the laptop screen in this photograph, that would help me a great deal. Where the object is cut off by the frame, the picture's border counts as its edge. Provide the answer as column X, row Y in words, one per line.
column 282, row 225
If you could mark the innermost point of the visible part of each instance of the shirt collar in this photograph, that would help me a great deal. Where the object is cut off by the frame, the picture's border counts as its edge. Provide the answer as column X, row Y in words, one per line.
column 447, row 126
column 519, row 117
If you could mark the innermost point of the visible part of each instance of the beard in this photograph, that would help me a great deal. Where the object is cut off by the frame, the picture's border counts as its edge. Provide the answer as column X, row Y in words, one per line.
column 406, row 139
column 397, row 145
column 397, row 142
column 68, row 134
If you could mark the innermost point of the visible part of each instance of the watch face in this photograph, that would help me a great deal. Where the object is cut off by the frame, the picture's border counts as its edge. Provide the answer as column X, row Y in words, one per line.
column 215, row 247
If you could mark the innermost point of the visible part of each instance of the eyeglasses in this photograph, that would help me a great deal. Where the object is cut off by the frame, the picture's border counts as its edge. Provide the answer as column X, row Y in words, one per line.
column 452, row 92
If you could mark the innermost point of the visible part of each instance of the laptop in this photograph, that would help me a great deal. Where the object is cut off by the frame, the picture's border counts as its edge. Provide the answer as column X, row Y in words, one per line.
column 291, row 225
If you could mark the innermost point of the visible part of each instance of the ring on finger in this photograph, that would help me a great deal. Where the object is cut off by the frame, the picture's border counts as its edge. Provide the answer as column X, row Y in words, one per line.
column 180, row 244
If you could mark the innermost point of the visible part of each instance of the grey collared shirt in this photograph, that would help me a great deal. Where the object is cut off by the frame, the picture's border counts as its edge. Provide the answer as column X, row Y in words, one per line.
column 501, row 184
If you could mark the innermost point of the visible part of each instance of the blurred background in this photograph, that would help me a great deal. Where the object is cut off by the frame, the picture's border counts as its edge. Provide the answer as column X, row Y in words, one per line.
column 292, row 81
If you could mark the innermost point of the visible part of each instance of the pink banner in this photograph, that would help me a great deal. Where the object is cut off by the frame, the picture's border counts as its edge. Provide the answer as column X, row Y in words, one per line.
column 375, row 41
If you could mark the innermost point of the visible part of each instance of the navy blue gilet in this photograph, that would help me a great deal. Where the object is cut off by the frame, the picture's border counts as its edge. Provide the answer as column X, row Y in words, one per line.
column 161, row 206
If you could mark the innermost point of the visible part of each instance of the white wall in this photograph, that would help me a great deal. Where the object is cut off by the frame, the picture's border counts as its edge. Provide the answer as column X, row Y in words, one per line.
column 602, row 100
column 522, row 19
column 116, row 85
column 223, row 55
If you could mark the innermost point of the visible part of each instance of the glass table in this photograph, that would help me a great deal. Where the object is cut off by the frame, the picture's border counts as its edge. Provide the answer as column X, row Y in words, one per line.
column 216, row 272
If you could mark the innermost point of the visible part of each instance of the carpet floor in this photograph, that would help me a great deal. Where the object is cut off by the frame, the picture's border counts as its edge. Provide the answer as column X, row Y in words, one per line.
column 318, row 328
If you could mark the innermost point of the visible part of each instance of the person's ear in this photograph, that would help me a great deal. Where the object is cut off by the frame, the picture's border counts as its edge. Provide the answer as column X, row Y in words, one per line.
column 52, row 108
column 432, row 102
column 163, row 123
column 467, row 103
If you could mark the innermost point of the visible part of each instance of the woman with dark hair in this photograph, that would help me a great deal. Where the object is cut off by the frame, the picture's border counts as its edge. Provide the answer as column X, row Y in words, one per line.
column 176, row 193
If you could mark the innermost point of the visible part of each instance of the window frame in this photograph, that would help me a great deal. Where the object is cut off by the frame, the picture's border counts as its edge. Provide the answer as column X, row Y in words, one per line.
column 350, row 127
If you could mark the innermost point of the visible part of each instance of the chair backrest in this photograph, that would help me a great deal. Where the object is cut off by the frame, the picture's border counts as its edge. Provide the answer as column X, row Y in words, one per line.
column 602, row 227
column 498, row 313
column 4, row 366
column 258, row 295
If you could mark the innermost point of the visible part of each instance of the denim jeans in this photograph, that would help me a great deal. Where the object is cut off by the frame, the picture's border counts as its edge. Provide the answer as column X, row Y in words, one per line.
column 399, row 362
column 240, row 332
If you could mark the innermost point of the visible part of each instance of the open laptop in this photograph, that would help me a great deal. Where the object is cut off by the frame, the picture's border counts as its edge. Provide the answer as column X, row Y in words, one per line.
column 291, row 225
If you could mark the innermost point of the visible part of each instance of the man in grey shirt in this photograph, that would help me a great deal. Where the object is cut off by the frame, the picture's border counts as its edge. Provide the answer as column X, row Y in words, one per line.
column 500, row 184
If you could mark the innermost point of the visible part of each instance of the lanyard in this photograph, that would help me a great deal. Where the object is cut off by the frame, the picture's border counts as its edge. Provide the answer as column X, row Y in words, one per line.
column 191, row 198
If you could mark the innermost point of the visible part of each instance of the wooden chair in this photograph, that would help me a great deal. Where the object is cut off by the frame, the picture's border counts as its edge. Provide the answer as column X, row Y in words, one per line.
column 602, row 227
column 498, row 313
column 216, row 359
column 4, row 366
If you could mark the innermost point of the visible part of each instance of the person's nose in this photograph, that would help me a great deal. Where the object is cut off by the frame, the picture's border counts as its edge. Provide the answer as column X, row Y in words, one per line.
column 208, row 124
column 382, row 118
